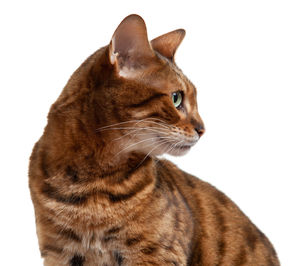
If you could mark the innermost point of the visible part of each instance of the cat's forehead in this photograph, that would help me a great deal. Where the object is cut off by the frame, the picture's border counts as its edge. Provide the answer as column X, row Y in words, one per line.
column 172, row 78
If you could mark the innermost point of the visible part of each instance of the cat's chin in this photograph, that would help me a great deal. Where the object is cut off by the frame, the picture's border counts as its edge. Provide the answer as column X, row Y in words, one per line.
column 175, row 151
column 180, row 151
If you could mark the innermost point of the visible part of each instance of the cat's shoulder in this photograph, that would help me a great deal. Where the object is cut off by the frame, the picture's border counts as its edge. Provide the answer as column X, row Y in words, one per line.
column 183, row 177
column 193, row 187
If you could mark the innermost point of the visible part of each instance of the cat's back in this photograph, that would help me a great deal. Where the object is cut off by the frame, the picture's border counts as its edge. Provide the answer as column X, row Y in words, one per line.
column 222, row 235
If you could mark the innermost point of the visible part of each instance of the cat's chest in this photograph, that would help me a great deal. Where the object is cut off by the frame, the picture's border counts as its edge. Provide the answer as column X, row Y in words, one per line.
column 99, row 247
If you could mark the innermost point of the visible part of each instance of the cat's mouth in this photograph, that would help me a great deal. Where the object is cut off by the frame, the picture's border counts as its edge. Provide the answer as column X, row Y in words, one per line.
column 177, row 148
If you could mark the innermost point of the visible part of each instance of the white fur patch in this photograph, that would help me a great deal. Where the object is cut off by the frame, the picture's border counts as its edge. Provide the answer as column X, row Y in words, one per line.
column 112, row 54
column 126, row 72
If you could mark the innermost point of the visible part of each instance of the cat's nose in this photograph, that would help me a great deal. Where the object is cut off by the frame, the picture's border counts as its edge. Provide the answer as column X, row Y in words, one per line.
column 199, row 129
column 198, row 125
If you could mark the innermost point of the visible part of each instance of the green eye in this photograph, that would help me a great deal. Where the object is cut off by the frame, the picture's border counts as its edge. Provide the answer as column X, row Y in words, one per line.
column 177, row 98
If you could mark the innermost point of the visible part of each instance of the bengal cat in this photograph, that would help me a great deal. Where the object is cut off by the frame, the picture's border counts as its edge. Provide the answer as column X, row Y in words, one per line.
column 101, row 195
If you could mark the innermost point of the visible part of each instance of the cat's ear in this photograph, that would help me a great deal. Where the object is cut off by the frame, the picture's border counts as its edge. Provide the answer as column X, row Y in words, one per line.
column 129, row 48
column 168, row 43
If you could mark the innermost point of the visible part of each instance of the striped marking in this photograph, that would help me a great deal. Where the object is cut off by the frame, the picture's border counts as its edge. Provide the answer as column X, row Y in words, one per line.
column 148, row 100
column 69, row 234
column 77, row 260
column 50, row 248
column 118, row 257
column 74, row 199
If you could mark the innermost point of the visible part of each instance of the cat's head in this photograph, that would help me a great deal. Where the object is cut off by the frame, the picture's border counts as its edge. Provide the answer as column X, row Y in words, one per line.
column 146, row 98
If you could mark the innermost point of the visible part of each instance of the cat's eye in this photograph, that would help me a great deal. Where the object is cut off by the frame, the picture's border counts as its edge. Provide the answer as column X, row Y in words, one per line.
column 177, row 98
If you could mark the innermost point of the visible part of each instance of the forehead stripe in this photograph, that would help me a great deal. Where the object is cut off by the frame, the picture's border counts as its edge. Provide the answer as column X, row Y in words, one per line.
column 148, row 100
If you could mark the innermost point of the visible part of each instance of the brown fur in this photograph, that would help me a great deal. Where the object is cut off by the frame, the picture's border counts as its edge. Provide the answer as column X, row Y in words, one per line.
column 99, row 200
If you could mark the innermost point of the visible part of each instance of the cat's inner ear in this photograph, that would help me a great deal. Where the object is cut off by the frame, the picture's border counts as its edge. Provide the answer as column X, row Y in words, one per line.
column 129, row 49
column 168, row 43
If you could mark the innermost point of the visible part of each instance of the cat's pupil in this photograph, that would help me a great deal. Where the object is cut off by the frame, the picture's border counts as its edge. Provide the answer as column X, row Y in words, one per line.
column 175, row 98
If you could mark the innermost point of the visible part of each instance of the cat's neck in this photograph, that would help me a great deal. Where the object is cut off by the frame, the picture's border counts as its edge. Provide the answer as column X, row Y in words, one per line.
column 71, row 143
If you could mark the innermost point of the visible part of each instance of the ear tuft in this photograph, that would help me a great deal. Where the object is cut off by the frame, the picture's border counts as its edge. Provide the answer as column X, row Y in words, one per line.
column 168, row 43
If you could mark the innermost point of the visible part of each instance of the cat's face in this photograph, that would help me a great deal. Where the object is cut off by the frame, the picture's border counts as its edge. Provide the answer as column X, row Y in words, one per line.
column 155, row 107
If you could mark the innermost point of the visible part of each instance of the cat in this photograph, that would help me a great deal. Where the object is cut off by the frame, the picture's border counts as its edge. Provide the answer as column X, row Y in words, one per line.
column 101, row 195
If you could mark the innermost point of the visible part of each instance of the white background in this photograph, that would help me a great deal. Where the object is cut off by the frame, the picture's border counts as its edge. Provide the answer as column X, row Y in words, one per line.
column 244, row 58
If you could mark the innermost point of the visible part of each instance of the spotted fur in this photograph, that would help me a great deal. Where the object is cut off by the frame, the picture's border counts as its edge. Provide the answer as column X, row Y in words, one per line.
column 101, row 195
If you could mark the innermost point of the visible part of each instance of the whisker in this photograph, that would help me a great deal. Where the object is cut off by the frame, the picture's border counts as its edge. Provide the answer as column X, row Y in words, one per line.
column 120, row 123
column 150, row 120
column 165, row 125
column 133, row 128
column 156, row 130
column 130, row 132
column 162, row 123
column 157, row 119
column 172, row 146
column 127, row 147
column 161, row 143
column 178, row 144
